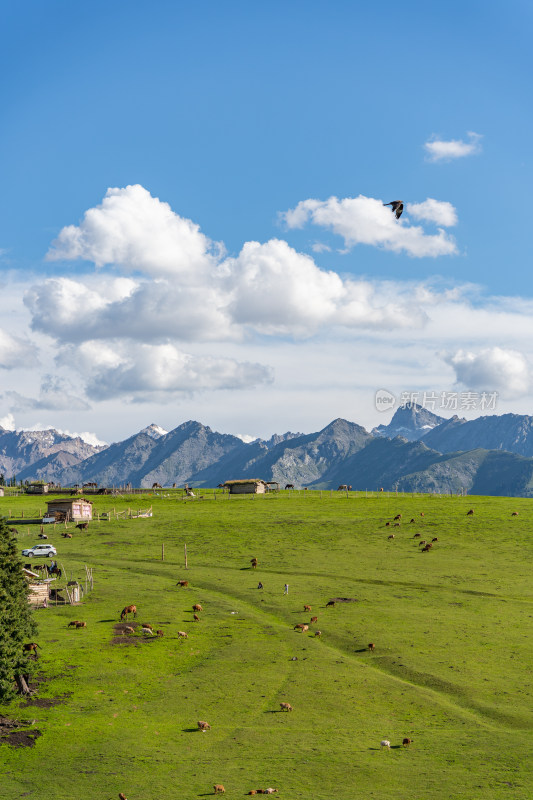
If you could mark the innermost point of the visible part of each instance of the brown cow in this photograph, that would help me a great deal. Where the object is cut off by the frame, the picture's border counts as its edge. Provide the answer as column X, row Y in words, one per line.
column 398, row 516
column 204, row 726
column 313, row 620
column 146, row 625
column 417, row 536
column 129, row 629
column 31, row 647
column 160, row 633
column 66, row 535
column 426, row 548
column 82, row 526
column 469, row 513
column 411, row 521
column 422, row 514
column 182, row 635
column 372, row 647
column 391, row 536
column 302, row 627
column 81, row 624
column 422, row 542
column 122, row 796
column 182, row 583
column 286, row 707
column 219, row 789
column 73, row 624
column 435, row 539
column 330, row 603
column 254, row 563
column 196, row 618
column 128, row 610
column 387, row 524
column 197, row 607
column 406, row 742
column 307, row 608
column 514, row 514
column 318, row 633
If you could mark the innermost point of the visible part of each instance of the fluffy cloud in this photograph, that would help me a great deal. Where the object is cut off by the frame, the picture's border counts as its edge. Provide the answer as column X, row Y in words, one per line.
column 492, row 369
column 8, row 422
column 365, row 220
column 447, row 150
column 55, row 394
column 137, row 232
column 157, row 372
column 438, row 211
column 16, row 352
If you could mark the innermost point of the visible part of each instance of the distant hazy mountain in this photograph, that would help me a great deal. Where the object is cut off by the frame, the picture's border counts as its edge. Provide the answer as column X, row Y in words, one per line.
column 410, row 421
column 21, row 449
column 511, row 432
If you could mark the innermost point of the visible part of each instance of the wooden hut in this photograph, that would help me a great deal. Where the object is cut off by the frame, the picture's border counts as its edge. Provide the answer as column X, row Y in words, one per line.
column 247, row 486
column 39, row 588
column 70, row 508
column 37, row 488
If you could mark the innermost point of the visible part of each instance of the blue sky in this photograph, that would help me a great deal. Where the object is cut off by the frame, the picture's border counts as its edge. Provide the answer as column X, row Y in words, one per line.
column 234, row 114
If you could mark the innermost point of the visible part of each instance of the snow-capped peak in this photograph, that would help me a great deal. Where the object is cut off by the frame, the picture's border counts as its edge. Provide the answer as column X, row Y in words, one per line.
column 155, row 431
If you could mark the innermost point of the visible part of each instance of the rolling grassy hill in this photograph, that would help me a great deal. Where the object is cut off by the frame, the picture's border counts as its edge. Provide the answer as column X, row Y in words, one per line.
column 451, row 666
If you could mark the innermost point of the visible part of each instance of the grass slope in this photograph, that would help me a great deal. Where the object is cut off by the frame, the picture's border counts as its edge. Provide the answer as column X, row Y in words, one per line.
column 451, row 668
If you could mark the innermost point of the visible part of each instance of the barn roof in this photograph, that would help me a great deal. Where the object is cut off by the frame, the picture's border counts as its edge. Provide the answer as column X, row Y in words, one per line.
column 245, row 480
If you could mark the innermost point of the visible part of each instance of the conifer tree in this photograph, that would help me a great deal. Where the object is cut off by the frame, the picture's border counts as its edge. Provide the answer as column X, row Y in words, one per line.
column 16, row 621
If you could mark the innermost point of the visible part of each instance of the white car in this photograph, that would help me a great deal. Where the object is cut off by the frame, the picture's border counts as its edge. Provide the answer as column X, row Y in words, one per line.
column 40, row 550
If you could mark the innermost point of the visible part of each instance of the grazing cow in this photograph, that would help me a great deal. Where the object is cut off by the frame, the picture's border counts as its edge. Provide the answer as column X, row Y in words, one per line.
column 129, row 629
column 197, row 607
column 122, row 796
column 182, row 635
column 514, row 514
column 66, row 535
column 148, row 631
column 391, row 536
column 219, row 789
column 156, row 486
column 435, row 539
column 147, row 625
column 398, row 516
column 286, row 707
column 387, row 524
column 254, row 563
column 371, row 647
column 307, row 608
column 31, row 647
column 160, row 633
column 411, row 521
column 313, row 620
column 301, row 626
column 469, row 513
column 349, row 489
column 73, row 624
column 330, row 603
column 422, row 514
column 289, row 486
column 385, row 743
column 196, row 618
column 82, row 526
column 396, row 525
column 81, row 624
column 128, row 610
column 182, row 583
column 269, row 791
column 426, row 548
column 42, row 536
column 318, row 633
column 406, row 742
column 204, row 726
column 342, row 488
column 422, row 542
column 417, row 536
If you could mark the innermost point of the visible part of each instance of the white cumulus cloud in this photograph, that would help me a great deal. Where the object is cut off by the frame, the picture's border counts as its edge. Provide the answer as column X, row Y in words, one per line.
column 16, row 352
column 365, row 220
column 137, row 232
column 438, row 211
column 492, row 369
column 448, row 149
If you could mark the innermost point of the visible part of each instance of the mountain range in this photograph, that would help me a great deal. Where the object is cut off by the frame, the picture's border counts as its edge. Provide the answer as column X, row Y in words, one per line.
column 416, row 451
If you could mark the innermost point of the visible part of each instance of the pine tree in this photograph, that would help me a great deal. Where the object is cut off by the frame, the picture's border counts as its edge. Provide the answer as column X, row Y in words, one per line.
column 16, row 621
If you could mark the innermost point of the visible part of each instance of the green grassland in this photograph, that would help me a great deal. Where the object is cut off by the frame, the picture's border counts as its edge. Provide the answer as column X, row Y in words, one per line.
column 451, row 667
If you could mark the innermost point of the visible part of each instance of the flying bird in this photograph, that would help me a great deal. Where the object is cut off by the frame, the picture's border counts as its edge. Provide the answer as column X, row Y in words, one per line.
column 397, row 207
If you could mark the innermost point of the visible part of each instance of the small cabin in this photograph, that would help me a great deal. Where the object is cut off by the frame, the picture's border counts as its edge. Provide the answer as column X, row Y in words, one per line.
column 72, row 508
column 39, row 589
column 247, row 486
column 37, row 488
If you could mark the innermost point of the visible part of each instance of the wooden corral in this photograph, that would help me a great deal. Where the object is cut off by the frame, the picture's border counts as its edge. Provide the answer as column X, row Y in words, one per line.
column 74, row 508
column 247, row 486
